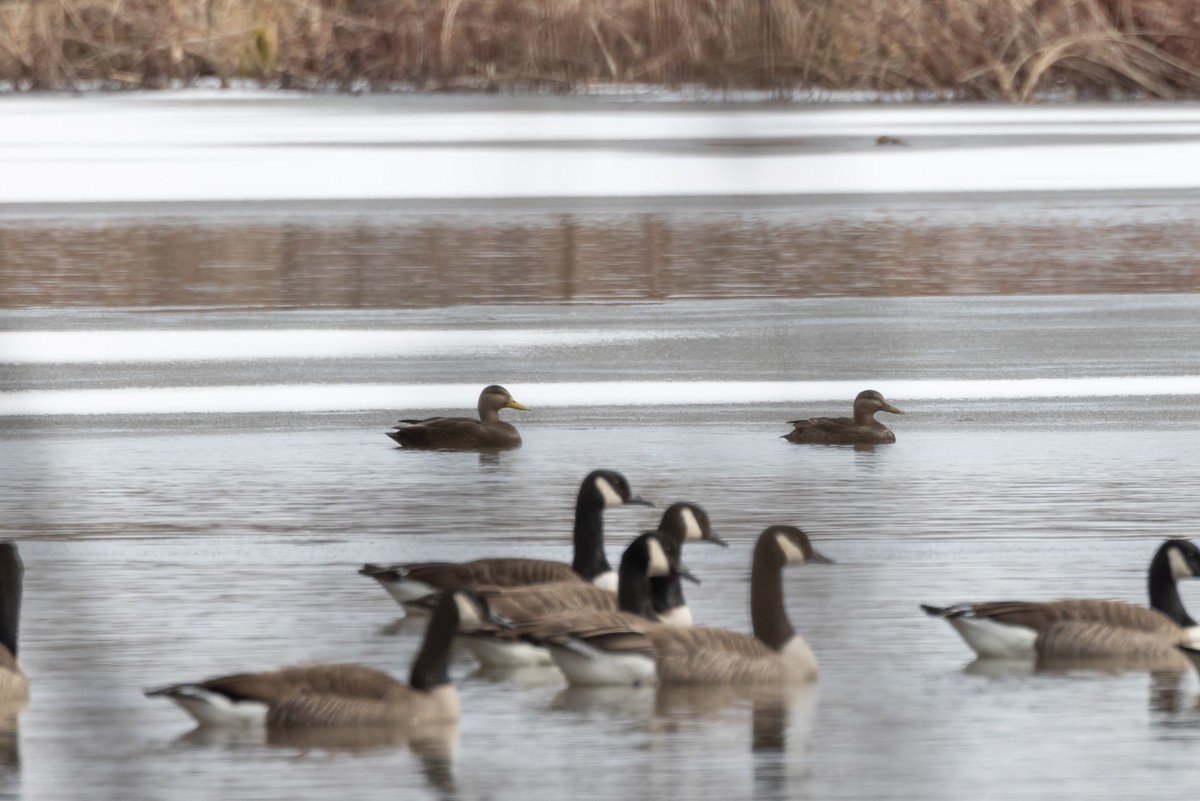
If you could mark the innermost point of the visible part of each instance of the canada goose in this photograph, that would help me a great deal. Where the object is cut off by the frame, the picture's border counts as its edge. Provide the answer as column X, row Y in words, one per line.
column 600, row 490
column 1086, row 628
column 862, row 429
column 619, row 651
column 650, row 555
column 680, row 523
column 489, row 431
column 14, row 686
column 342, row 694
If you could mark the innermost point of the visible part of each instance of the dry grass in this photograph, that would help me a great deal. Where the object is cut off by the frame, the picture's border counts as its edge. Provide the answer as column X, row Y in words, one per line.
column 1010, row 49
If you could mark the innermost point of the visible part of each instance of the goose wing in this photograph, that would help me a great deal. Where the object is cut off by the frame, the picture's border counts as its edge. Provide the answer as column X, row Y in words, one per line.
column 542, row 600
column 608, row 630
column 1040, row 616
column 498, row 572
column 702, row 655
column 1077, row 640
column 343, row 680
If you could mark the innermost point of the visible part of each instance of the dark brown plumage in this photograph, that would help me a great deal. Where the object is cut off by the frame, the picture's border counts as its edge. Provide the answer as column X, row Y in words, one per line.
column 862, row 429
column 489, row 432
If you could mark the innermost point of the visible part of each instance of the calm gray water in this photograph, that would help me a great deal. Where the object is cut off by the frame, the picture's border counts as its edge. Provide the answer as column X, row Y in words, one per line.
column 193, row 460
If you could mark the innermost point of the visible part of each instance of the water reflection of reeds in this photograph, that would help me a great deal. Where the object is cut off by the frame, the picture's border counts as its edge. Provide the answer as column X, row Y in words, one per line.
column 401, row 260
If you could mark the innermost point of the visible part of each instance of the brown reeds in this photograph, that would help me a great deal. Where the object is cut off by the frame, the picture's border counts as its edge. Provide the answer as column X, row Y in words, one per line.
column 1003, row 49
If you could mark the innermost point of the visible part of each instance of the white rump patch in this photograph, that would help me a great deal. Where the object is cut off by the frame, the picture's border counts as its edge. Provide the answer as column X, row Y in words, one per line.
column 587, row 666
column 1179, row 566
column 659, row 564
column 214, row 709
column 607, row 581
column 679, row 616
column 791, row 551
column 610, row 495
column 403, row 590
column 993, row 640
column 492, row 652
column 468, row 613
column 691, row 526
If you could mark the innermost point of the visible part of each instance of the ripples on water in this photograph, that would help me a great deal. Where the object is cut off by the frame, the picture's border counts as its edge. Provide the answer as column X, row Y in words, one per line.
column 163, row 545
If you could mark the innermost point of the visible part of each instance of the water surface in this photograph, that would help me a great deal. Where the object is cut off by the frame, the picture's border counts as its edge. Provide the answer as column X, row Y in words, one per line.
column 193, row 400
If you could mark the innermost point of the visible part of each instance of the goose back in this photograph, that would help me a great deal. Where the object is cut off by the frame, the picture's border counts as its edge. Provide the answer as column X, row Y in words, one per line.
column 1086, row 628
column 601, row 489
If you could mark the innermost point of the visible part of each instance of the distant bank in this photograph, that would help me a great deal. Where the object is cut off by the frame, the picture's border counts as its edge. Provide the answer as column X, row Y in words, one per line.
column 1011, row 50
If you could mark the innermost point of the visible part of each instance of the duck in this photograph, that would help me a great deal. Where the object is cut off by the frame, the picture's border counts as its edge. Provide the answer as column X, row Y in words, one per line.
column 601, row 489
column 330, row 695
column 1086, row 628
column 489, row 432
column 621, row 650
column 862, row 429
column 651, row 555
column 14, row 684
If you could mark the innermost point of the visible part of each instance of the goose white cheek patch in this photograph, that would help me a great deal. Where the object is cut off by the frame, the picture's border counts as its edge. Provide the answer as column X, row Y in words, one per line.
column 610, row 495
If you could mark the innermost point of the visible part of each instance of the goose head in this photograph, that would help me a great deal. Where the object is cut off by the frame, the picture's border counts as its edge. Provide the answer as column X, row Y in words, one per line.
column 653, row 556
column 495, row 398
column 1183, row 558
column 609, row 488
column 687, row 522
column 869, row 401
column 788, row 545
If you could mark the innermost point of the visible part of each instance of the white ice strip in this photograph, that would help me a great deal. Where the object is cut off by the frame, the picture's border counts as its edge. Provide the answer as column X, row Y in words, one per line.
column 414, row 398
column 158, row 174
column 104, row 347
column 181, row 119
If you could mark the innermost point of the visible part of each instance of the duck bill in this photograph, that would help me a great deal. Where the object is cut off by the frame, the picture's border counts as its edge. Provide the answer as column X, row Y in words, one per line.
column 887, row 407
column 512, row 404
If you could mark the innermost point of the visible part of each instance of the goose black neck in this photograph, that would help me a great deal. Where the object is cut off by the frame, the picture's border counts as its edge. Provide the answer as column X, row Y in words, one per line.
column 633, row 589
column 771, row 624
column 590, row 560
column 431, row 668
column 1164, row 594
column 12, row 574
column 666, row 593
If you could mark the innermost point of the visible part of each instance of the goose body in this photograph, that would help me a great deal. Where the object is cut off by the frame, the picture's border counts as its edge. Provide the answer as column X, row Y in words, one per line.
column 14, row 685
column 1086, row 628
column 682, row 522
column 328, row 695
column 600, row 490
column 623, row 650
column 529, row 609
column 861, row 429
column 463, row 433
